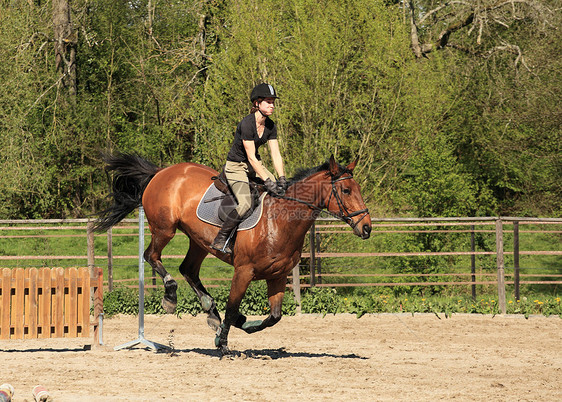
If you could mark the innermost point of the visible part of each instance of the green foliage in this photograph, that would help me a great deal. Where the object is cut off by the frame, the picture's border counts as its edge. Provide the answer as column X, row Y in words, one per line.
column 451, row 305
column 546, row 306
column 329, row 301
column 435, row 184
column 320, row 300
column 124, row 300
column 121, row 300
column 453, row 134
column 373, row 302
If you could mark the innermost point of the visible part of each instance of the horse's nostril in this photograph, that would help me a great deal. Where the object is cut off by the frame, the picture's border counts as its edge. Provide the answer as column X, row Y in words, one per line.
column 366, row 230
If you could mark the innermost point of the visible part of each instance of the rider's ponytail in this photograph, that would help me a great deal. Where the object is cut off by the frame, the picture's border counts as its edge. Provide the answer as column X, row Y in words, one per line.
column 255, row 107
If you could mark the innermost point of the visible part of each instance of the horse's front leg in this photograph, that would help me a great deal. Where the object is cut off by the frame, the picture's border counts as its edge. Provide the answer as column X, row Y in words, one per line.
column 275, row 293
column 240, row 282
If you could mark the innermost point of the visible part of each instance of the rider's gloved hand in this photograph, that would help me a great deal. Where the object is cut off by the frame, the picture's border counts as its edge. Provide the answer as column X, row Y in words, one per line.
column 271, row 187
column 283, row 183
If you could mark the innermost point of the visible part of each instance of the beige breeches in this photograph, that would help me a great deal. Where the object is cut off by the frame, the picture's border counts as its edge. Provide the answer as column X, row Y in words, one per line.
column 237, row 174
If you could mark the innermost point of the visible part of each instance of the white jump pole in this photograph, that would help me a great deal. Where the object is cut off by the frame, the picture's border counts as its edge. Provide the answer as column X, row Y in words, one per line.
column 141, row 339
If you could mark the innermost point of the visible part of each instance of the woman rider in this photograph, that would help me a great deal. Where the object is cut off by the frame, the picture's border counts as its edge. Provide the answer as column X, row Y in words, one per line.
column 244, row 161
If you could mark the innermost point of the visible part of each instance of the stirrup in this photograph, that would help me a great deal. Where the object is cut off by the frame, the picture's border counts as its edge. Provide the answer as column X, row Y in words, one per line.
column 225, row 249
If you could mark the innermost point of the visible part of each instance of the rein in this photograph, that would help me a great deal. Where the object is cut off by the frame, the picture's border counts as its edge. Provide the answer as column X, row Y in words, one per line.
column 344, row 215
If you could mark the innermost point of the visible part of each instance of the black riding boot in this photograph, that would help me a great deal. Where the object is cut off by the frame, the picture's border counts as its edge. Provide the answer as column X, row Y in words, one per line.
column 230, row 224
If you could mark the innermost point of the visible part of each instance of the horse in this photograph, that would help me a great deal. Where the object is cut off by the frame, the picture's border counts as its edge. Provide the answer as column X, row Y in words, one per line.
column 269, row 251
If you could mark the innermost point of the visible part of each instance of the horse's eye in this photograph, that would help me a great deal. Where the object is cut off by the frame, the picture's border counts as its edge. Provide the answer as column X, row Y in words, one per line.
column 346, row 191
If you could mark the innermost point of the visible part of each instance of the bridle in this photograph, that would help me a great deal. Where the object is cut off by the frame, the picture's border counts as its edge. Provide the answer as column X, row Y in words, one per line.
column 344, row 214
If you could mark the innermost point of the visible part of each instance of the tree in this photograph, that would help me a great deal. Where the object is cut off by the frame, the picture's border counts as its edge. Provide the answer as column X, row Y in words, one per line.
column 66, row 41
column 506, row 126
column 476, row 27
column 170, row 80
column 119, row 84
column 347, row 83
column 503, row 123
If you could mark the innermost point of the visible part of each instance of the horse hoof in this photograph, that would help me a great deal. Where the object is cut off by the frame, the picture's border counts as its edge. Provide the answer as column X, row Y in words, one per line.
column 252, row 326
column 213, row 322
column 225, row 352
column 168, row 306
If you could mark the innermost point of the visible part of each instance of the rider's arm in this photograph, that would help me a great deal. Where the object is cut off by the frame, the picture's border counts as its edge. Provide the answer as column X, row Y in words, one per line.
column 250, row 148
column 276, row 157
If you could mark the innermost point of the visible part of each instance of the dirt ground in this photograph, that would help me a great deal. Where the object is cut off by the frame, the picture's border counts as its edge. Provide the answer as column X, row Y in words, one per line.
column 306, row 357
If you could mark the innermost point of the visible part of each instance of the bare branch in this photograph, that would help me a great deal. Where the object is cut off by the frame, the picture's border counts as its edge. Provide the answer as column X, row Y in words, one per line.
column 445, row 34
column 442, row 6
column 512, row 49
column 529, row 3
column 31, row 40
column 456, row 15
column 501, row 23
column 45, row 92
column 479, row 39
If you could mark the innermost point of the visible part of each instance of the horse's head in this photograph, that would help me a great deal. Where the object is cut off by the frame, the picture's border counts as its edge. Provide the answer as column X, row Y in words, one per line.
column 344, row 199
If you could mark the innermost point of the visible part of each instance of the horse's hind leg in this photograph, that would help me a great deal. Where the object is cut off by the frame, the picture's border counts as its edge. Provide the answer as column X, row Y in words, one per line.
column 190, row 268
column 153, row 254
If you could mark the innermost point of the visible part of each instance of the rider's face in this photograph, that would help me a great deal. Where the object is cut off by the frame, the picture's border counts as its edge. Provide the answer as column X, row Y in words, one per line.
column 267, row 106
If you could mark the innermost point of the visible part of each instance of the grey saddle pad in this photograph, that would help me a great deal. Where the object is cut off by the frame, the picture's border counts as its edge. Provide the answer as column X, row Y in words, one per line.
column 208, row 209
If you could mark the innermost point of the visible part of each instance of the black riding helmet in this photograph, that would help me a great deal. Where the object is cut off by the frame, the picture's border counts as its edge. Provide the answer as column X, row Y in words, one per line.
column 263, row 91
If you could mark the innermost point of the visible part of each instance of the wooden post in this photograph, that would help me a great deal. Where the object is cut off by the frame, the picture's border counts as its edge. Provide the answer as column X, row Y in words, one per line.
column 500, row 266
column 312, row 259
column 17, row 303
column 5, row 300
column 318, row 259
column 297, row 287
column 91, row 255
column 110, row 259
column 473, row 260
column 90, row 245
column 516, row 258
column 97, row 284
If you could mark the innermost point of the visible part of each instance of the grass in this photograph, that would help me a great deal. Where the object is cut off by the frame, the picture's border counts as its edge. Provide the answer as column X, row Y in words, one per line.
column 72, row 242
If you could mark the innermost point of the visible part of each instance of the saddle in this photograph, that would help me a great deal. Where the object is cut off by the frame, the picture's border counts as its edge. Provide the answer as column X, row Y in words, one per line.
column 219, row 200
column 229, row 201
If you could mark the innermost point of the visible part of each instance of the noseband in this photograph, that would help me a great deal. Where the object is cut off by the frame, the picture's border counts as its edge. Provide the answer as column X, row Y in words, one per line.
column 344, row 214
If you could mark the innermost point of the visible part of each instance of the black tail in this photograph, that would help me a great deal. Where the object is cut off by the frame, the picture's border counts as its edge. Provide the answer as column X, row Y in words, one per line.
column 132, row 175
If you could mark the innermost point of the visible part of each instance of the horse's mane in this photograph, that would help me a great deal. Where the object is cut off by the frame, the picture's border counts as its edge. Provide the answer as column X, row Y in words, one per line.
column 303, row 173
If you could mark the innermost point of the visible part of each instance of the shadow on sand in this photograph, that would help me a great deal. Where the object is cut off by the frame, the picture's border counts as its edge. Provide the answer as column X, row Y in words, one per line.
column 261, row 354
column 264, row 354
column 48, row 350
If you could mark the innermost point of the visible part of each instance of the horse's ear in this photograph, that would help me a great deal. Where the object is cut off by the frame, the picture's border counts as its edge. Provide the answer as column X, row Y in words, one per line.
column 352, row 165
column 334, row 168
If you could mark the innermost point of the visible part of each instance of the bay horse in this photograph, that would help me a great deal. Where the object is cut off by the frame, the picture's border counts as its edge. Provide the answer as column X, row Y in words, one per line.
column 268, row 251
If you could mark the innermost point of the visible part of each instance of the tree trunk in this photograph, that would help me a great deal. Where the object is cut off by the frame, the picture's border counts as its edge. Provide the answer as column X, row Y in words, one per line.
column 65, row 45
column 414, row 39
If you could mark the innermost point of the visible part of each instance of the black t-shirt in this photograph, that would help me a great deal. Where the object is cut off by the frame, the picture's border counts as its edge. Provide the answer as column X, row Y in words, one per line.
column 247, row 130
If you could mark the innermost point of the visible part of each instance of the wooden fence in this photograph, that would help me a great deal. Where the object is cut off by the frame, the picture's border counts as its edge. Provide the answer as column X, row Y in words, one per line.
column 50, row 303
column 314, row 257
column 442, row 225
